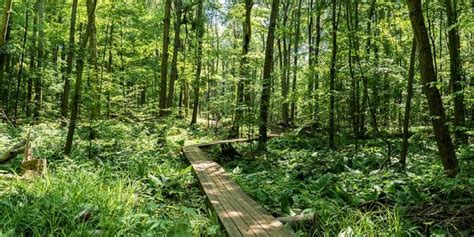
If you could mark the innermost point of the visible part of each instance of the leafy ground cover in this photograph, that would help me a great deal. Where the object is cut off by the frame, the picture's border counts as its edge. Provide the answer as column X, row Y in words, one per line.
column 348, row 192
column 131, row 179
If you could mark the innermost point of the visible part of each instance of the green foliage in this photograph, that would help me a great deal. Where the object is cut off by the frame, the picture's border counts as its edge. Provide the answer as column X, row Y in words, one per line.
column 136, row 184
column 299, row 175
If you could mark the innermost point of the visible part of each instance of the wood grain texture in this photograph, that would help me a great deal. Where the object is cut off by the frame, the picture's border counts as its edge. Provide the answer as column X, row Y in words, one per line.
column 237, row 212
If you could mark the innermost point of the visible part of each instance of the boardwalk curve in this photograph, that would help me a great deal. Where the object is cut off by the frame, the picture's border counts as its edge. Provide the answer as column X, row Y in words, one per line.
column 239, row 214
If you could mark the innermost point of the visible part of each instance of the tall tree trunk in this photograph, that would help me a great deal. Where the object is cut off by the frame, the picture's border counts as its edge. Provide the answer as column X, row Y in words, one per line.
column 406, row 118
column 7, row 11
column 365, row 84
column 435, row 103
column 456, row 70
column 110, row 67
column 91, row 6
column 316, row 64
column 70, row 56
column 93, row 75
column 353, row 109
column 164, row 58
column 295, row 61
column 332, row 77
column 285, row 113
column 176, row 47
column 39, row 68
column 4, row 31
column 244, row 71
column 267, row 73
column 197, row 81
column 311, row 57
column 22, row 59
column 32, row 73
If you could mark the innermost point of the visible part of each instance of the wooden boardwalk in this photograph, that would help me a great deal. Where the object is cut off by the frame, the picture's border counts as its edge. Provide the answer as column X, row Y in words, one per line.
column 237, row 212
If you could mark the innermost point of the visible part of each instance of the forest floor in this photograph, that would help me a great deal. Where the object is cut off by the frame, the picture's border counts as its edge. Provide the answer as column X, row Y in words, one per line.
column 349, row 193
column 132, row 179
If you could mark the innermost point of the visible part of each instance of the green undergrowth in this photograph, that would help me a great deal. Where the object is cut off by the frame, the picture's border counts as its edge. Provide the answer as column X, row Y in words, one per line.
column 129, row 180
column 350, row 194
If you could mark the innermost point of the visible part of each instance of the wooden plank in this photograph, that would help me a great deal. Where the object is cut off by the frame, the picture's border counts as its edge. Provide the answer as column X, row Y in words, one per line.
column 239, row 214
column 213, row 198
column 236, row 204
column 242, row 221
column 263, row 220
column 275, row 223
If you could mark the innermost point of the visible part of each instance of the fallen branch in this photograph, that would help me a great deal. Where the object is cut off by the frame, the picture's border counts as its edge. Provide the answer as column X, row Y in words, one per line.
column 297, row 218
column 13, row 152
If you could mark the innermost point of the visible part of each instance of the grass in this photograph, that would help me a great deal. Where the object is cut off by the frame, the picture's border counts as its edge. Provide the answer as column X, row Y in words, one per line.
column 130, row 180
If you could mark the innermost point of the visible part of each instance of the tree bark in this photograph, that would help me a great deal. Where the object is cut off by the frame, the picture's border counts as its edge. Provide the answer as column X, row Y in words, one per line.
column 244, row 71
column 20, row 70
column 91, row 6
column 32, row 74
column 267, row 74
column 176, row 47
column 435, row 103
column 455, row 71
column 311, row 57
column 285, row 111
column 316, row 63
column 164, row 58
column 197, row 81
column 7, row 11
column 295, row 61
column 365, row 96
column 40, row 60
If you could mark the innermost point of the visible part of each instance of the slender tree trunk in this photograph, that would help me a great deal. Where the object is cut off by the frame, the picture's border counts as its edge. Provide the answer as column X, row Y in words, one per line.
column 435, row 103
column 93, row 75
column 244, row 71
column 39, row 69
column 164, row 58
column 310, row 58
column 365, row 84
column 7, row 10
column 295, row 61
column 267, row 73
column 353, row 110
column 284, row 77
column 70, row 56
column 406, row 118
column 22, row 59
column 110, row 67
column 316, row 64
column 456, row 70
column 176, row 47
column 4, row 31
column 32, row 73
column 197, row 81
column 91, row 6
column 332, row 77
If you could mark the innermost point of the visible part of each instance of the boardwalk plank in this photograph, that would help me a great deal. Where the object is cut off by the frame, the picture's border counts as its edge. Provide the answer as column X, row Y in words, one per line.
column 230, row 213
column 213, row 198
column 237, row 212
